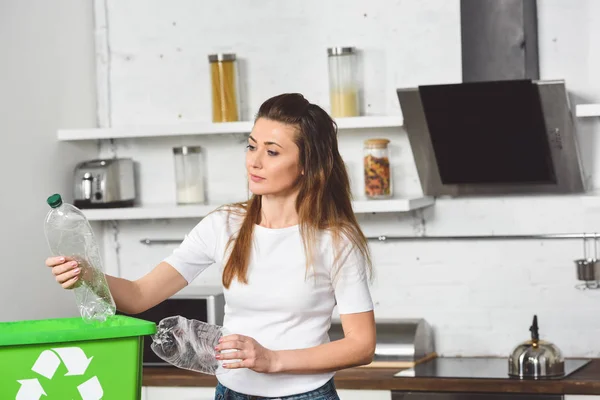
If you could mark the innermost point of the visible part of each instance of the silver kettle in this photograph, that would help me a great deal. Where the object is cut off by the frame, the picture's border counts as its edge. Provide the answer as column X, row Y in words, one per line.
column 535, row 358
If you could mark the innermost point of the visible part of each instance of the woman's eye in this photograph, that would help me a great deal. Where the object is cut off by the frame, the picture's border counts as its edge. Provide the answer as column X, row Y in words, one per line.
column 250, row 147
column 272, row 153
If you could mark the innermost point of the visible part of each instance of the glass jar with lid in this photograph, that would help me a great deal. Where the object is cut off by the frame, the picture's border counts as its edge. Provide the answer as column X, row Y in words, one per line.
column 377, row 169
column 224, row 83
column 189, row 174
column 343, row 82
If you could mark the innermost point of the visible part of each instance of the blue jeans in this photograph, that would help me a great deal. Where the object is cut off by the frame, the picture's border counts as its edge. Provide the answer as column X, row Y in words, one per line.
column 325, row 392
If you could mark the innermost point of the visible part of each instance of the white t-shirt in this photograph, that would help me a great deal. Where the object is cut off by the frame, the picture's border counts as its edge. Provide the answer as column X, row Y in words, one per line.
column 282, row 307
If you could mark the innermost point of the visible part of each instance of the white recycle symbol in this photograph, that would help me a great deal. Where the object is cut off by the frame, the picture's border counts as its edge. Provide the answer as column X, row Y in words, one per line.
column 46, row 365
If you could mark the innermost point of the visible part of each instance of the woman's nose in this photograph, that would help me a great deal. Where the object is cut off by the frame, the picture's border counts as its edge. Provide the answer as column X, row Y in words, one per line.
column 255, row 159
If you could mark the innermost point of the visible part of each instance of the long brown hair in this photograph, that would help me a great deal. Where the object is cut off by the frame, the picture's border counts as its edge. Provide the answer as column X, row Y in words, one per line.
column 324, row 199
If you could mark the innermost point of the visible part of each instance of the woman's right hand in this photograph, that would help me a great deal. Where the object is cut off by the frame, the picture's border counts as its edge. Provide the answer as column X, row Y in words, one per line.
column 65, row 270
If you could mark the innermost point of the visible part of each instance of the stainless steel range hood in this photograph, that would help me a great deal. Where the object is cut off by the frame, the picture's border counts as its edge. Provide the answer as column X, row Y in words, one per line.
column 491, row 138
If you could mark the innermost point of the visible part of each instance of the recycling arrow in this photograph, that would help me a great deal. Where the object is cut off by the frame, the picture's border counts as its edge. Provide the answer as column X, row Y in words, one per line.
column 47, row 364
column 75, row 360
column 91, row 389
column 30, row 390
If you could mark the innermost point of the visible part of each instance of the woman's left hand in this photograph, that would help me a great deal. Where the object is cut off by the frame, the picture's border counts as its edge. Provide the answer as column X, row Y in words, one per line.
column 249, row 353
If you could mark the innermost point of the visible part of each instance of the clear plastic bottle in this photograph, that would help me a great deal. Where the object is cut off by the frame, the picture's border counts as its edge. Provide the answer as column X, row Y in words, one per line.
column 190, row 344
column 69, row 234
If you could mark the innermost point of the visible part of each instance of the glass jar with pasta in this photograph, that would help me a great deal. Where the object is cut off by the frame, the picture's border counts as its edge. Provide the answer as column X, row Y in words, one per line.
column 224, row 82
column 378, row 177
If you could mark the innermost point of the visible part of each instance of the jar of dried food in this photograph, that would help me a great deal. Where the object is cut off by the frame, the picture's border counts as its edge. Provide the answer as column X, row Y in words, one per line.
column 343, row 82
column 224, row 82
column 378, row 182
column 189, row 174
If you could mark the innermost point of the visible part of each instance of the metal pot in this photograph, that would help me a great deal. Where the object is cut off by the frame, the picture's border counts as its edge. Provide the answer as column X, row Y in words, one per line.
column 535, row 358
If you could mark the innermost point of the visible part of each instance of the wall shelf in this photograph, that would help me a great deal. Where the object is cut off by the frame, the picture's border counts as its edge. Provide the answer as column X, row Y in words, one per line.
column 171, row 211
column 587, row 110
column 209, row 128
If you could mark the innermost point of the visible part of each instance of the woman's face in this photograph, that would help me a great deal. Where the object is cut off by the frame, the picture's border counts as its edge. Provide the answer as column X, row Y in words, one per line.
column 272, row 159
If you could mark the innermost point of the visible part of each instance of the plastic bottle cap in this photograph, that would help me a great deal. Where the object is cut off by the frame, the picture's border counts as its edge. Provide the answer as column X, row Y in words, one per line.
column 54, row 201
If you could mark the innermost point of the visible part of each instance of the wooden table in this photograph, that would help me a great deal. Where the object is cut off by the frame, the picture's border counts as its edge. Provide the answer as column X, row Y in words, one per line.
column 583, row 381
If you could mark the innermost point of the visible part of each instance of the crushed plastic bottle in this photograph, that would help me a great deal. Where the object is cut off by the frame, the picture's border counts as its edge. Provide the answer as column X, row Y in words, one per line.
column 69, row 234
column 189, row 344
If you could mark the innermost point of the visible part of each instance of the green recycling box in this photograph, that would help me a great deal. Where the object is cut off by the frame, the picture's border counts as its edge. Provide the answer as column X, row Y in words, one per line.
column 71, row 359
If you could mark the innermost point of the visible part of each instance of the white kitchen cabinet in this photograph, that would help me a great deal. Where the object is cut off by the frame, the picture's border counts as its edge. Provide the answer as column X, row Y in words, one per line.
column 347, row 394
column 199, row 393
column 581, row 397
column 180, row 393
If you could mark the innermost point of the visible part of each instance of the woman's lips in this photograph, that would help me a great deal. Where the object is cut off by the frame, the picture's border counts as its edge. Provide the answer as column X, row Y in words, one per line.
column 256, row 178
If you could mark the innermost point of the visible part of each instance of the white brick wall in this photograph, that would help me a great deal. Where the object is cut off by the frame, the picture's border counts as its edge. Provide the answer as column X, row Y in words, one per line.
column 159, row 50
column 480, row 296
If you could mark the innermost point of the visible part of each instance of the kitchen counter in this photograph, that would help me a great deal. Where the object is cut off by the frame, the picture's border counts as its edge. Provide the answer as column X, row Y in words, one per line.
column 583, row 381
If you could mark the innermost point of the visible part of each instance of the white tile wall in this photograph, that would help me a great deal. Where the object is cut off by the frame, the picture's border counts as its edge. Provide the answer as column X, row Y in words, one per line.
column 479, row 296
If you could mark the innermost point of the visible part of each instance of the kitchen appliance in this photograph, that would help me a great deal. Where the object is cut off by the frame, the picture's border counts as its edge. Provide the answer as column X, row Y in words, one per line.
column 476, row 368
column 532, row 359
column 536, row 358
column 401, row 343
column 105, row 183
column 206, row 304
column 493, row 137
column 472, row 396
column 472, row 368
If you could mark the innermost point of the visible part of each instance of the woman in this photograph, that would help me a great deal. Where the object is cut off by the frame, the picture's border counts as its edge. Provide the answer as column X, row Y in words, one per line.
column 290, row 253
